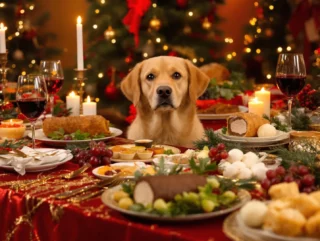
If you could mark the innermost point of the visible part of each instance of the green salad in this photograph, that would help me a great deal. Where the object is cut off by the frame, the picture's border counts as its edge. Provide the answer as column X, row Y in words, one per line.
column 78, row 135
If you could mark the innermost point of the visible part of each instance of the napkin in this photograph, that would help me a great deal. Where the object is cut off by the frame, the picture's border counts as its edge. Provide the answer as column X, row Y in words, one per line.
column 35, row 157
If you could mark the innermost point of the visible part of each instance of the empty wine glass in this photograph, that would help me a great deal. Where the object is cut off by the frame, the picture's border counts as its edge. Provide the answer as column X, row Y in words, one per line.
column 290, row 76
column 32, row 97
column 53, row 74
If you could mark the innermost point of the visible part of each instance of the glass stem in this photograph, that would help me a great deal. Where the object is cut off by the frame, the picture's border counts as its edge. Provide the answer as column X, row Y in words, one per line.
column 289, row 109
column 33, row 127
column 51, row 102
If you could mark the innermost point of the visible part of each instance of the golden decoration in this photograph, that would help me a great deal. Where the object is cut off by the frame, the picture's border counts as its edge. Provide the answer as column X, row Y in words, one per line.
column 109, row 33
column 206, row 24
column 187, row 29
column 155, row 23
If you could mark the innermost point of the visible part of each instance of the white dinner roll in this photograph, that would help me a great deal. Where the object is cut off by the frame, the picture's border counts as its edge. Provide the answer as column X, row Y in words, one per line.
column 253, row 213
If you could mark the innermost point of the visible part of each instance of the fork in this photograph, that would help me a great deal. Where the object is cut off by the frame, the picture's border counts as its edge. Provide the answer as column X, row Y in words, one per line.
column 77, row 172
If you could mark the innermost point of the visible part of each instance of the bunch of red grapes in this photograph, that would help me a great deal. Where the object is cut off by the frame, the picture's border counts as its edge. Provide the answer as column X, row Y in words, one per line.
column 305, row 97
column 97, row 154
column 216, row 154
column 296, row 173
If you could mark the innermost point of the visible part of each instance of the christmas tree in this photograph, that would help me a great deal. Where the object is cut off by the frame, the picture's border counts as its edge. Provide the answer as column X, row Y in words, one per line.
column 25, row 46
column 123, row 34
column 265, row 37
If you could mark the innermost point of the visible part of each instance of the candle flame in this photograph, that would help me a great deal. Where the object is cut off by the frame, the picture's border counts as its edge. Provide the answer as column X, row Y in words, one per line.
column 262, row 89
column 72, row 94
column 2, row 26
column 88, row 99
column 79, row 20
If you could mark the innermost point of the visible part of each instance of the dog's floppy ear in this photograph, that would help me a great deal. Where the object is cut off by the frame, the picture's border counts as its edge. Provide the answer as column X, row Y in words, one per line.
column 198, row 81
column 130, row 85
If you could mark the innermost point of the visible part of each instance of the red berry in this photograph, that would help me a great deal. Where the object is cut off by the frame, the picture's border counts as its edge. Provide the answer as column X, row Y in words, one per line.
column 280, row 171
column 271, row 174
column 307, row 189
column 288, row 178
column 213, row 152
column 105, row 160
column 298, row 181
column 265, row 184
column 275, row 180
column 109, row 153
column 293, row 169
column 94, row 161
column 224, row 155
column 221, row 146
column 308, row 180
column 95, row 151
column 302, row 170
column 217, row 157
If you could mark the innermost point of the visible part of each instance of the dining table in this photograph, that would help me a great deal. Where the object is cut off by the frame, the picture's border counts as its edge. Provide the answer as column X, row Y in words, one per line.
column 29, row 211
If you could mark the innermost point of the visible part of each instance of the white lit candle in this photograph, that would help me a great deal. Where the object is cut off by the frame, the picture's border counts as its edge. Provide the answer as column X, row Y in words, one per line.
column 79, row 44
column 89, row 108
column 264, row 96
column 256, row 106
column 73, row 102
column 2, row 39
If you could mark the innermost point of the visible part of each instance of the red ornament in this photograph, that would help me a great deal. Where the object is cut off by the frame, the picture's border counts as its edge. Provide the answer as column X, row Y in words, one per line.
column 128, row 59
column 172, row 53
column 260, row 13
column 111, row 91
column 182, row 3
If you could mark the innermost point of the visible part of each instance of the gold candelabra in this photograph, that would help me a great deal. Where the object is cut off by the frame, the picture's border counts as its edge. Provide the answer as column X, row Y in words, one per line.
column 3, row 71
column 80, row 78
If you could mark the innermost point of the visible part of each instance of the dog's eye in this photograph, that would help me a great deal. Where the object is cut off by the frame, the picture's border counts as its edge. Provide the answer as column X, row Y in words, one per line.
column 150, row 77
column 176, row 75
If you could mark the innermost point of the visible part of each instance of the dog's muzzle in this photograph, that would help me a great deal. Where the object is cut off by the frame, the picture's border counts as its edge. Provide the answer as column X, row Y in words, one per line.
column 164, row 97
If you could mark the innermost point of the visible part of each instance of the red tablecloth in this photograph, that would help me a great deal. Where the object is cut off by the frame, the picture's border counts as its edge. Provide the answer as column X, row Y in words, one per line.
column 90, row 220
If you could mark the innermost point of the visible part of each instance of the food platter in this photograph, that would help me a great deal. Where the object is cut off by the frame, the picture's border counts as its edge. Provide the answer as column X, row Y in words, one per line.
column 139, row 165
column 208, row 116
column 235, row 229
column 107, row 199
column 280, row 136
column 40, row 136
column 166, row 147
column 41, row 167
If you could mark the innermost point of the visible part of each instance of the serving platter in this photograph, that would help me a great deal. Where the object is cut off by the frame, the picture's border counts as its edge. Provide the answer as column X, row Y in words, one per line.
column 166, row 147
column 235, row 229
column 208, row 116
column 107, row 199
column 281, row 136
column 41, row 167
column 40, row 136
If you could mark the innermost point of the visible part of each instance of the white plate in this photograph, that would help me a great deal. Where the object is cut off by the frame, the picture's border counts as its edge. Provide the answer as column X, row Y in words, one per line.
column 103, row 177
column 279, row 137
column 174, row 150
column 42, row 167
column 260, row 234
column 40, row 136
column 208, row 116
column 107, row 200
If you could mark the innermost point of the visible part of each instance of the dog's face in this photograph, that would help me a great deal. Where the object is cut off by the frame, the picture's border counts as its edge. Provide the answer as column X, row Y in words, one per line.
column 165, row 82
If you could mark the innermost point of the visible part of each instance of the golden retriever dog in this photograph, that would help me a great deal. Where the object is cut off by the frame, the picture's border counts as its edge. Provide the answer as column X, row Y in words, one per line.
column 164, row 91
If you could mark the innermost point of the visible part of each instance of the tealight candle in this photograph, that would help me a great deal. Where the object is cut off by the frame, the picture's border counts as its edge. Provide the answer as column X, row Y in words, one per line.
column 73, row 102
column 12, row 130
column 256, row 106
column 264, row 96
column 12, row 121
column 2, row 38
column 89, row 108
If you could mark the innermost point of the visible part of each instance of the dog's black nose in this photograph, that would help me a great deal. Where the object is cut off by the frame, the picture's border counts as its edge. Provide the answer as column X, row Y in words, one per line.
column 164, row 91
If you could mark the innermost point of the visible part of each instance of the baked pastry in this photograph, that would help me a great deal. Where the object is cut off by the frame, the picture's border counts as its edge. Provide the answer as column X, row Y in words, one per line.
column 283, row 190
column 313, row 225
column 220, row 108
column 245, row 124
column 216, row 71
column 306, row 204
column 93, row 124
column 316, row 195
column 288, row 222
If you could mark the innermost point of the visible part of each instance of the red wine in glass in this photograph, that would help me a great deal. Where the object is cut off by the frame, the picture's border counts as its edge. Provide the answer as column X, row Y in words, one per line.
column 32, row 108
column 290, row 85
column 54, row 84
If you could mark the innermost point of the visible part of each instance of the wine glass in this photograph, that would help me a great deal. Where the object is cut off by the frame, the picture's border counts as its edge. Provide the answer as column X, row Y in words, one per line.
column 53, row 74
column 32, row 97
column 290, row 76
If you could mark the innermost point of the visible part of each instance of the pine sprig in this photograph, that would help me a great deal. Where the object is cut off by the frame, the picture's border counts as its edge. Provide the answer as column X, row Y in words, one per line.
column 211, row 139
column 229, row 184
column 203, row 167
column 14, row 144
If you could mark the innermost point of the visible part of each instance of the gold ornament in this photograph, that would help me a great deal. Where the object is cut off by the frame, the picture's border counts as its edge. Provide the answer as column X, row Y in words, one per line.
column 155, row 23
column 187, row 29
column 206, row 24
column 109, row 33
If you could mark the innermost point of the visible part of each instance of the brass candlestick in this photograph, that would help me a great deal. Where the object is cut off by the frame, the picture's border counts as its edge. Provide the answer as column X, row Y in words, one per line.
column 80, row 78
column 3, row 71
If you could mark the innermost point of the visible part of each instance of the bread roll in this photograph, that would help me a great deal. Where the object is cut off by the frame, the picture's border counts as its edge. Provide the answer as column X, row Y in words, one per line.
column 245, row 124
column 313, row 225
column 216, row 71
column 93, row 124
column 283, row 190
column 306, row 204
